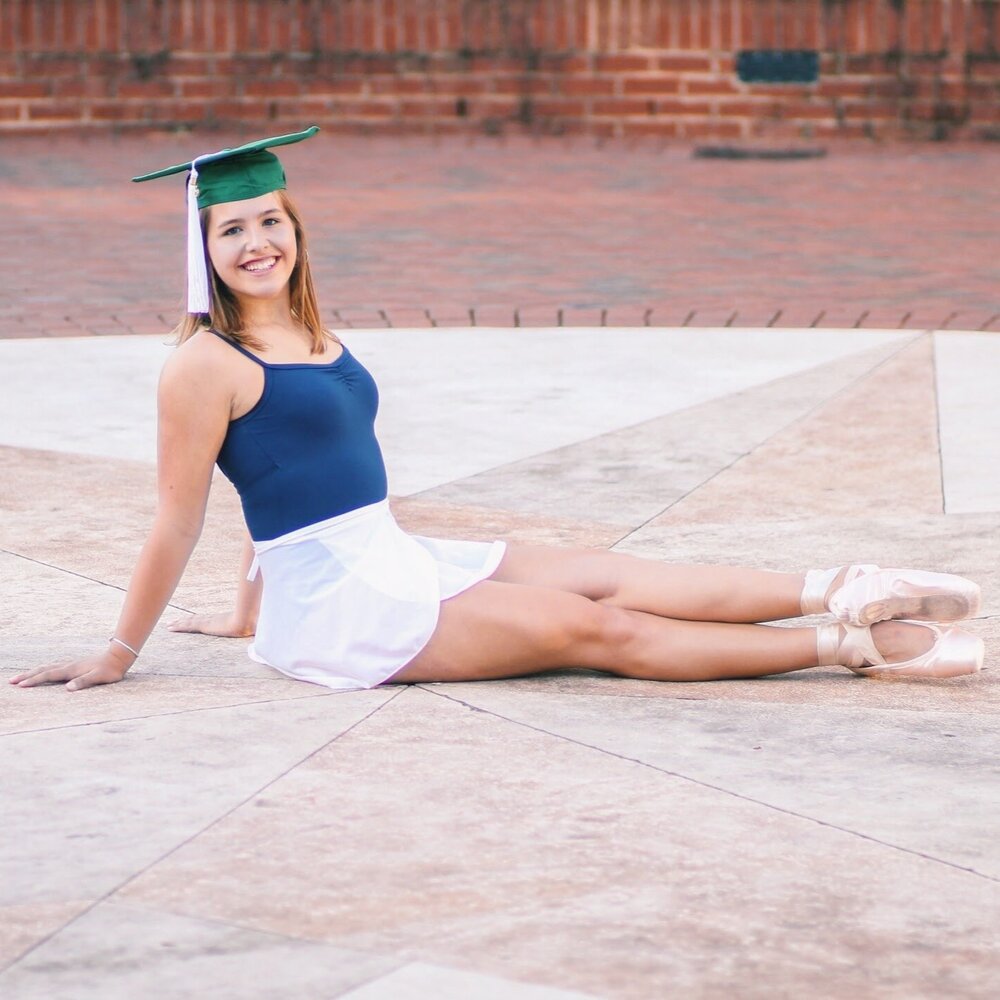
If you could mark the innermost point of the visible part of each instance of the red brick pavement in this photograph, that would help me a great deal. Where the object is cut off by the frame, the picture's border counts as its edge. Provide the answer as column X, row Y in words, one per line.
column 416, row 232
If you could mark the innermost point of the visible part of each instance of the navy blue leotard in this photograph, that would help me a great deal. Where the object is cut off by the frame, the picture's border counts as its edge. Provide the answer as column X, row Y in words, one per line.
column 307, row 450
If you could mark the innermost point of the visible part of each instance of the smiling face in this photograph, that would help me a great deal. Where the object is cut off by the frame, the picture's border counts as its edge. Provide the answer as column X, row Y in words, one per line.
column 252, row 246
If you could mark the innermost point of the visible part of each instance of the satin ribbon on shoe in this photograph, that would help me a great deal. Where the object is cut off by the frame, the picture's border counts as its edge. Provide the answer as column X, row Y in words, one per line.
column 869, row 594
column 819, row 581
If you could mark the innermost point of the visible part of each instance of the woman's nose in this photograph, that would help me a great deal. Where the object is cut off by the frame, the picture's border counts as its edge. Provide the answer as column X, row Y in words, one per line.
column 256, row 237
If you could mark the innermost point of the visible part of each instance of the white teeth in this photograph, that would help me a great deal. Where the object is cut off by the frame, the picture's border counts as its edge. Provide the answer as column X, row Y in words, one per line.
column 261, row 265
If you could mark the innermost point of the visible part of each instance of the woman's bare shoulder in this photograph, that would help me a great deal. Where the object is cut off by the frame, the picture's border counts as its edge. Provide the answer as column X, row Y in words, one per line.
column 202, row 363
column 201, row 350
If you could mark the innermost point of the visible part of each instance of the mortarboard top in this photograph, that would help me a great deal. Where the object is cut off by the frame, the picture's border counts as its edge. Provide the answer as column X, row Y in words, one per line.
column 235, row 174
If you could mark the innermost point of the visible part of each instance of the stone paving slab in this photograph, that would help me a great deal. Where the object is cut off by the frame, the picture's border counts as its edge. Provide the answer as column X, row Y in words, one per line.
column 416, row 980
column 26, row 925
column 872, row 445
column 966, row 369
column 125, row 950
column 631, row 475
column 124, row 794
column 147, row 694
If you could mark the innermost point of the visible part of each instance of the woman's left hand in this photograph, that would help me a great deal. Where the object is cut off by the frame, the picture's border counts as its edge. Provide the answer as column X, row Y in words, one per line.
column 225, row 624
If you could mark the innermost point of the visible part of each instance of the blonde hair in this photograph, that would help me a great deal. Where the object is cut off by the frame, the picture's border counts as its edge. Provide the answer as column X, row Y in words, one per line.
column 225, row 315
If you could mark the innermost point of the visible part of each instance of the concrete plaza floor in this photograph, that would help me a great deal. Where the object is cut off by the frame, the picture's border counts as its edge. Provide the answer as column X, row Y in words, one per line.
column 210, row 826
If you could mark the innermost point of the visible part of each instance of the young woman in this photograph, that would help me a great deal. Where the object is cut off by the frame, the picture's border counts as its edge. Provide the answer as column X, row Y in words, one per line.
column 338, row 595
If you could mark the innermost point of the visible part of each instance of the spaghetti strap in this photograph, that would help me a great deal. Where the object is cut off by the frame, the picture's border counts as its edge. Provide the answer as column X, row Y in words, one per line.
column 240, row 348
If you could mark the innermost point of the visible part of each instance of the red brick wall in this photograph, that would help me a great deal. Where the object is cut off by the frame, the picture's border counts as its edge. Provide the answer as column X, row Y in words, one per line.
column 927, row 69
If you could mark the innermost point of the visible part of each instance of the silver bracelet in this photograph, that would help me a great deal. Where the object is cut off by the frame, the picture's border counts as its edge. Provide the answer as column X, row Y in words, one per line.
column 134, row 652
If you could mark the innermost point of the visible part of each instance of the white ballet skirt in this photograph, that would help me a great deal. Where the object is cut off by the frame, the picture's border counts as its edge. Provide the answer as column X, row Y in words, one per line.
column 349, row 601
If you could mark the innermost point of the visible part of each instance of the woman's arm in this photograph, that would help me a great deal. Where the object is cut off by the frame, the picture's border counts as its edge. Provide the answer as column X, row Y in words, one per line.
column 247, row 591
column 194, row 407
column 242, row 620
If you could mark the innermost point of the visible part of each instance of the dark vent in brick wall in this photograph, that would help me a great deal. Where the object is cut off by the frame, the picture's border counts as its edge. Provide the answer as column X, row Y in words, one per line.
column 778, row 65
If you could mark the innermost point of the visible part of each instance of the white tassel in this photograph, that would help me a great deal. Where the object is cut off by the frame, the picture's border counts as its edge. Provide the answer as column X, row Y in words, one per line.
column 197, row 276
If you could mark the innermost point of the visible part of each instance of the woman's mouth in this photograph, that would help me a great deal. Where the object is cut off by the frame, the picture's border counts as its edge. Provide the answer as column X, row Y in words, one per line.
column 260, row 266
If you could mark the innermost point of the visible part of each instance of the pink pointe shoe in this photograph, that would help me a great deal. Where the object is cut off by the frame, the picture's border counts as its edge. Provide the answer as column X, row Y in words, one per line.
column 954, row 653
column 870, row 594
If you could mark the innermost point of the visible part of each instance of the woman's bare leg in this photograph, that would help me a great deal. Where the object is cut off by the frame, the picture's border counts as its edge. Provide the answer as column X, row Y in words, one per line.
column 496, row 630
column 689, row 592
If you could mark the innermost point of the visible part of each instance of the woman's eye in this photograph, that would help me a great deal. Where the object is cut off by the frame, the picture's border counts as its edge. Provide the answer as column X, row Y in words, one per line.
column 232, row 231
column 271, row 222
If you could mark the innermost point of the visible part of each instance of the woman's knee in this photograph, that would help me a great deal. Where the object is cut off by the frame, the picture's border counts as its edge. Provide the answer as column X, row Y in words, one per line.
column 597, row 631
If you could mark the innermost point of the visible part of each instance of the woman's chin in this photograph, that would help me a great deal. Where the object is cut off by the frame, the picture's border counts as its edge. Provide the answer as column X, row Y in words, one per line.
column 260, row 291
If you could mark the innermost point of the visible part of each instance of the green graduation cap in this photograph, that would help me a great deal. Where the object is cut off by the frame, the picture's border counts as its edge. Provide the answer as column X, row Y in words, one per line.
column 236, row 174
